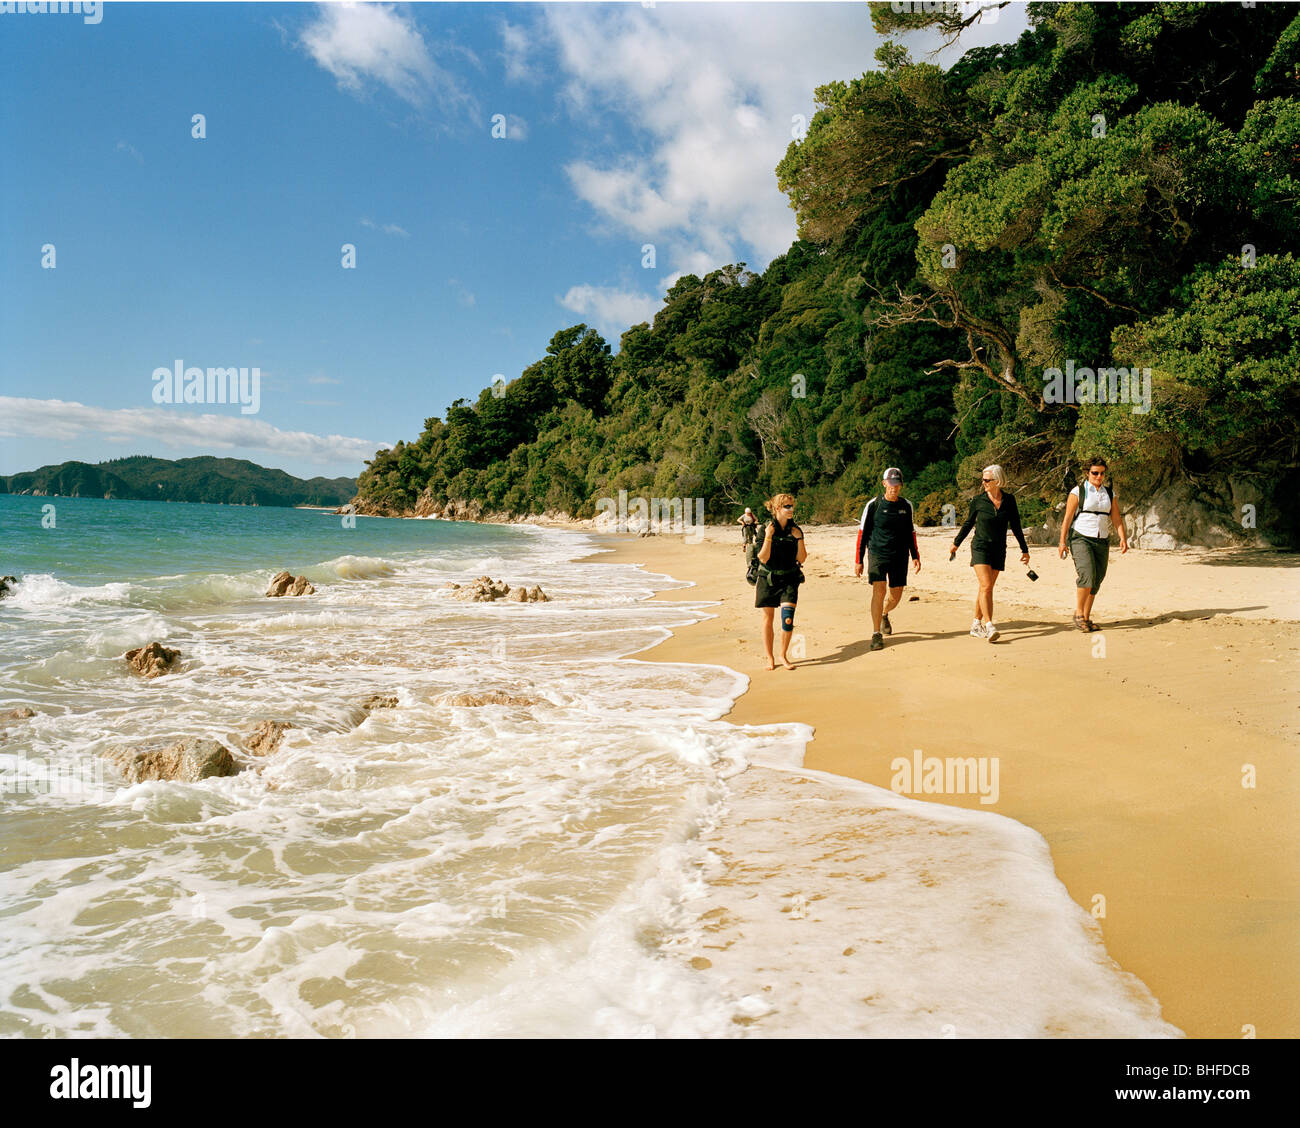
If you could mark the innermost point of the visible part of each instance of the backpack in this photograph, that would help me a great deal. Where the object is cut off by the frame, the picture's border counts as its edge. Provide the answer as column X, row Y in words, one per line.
column 751, row 554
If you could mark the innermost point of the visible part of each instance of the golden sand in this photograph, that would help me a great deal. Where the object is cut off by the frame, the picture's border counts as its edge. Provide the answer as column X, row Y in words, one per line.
column 1129, row 749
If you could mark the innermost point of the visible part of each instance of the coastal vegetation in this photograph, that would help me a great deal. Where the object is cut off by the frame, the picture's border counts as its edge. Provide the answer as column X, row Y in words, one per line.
column 1119, row 188
column 228, row 481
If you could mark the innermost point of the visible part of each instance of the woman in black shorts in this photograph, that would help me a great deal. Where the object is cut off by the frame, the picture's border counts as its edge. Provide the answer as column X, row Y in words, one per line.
column 779, row 574
column 991, row 514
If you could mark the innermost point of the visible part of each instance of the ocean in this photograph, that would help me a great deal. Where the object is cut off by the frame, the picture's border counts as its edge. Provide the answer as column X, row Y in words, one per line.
column 604, row 855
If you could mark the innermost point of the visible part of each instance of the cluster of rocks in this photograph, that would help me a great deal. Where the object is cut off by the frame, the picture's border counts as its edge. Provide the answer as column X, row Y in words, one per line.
column 286, row 583
column 195, row 758
column 486, row 590
column 6, row 585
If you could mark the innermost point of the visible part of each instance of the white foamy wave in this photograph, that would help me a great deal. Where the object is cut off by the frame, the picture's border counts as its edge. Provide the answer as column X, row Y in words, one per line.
column 356, row 568
column 43, row 592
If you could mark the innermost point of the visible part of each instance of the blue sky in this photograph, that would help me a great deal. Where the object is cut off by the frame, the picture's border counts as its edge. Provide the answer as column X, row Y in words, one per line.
column 371, row 125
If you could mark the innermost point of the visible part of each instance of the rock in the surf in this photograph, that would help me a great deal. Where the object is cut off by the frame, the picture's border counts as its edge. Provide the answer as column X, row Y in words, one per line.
column 518, row 595
column 21, row 713
column 285, row 583
column 536, row 595
column 266, row 737
column 493, row 697
column 6, row 585
column 188, row 760
column 152, row 661
column 483, row 590
column 379, row 701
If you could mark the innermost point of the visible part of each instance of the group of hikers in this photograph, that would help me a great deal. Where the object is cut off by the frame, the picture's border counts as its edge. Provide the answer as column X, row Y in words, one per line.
column 887, row 540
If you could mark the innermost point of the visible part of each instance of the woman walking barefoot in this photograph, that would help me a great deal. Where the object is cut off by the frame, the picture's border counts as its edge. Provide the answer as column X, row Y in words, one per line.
column 779, row 574
column 991, row 514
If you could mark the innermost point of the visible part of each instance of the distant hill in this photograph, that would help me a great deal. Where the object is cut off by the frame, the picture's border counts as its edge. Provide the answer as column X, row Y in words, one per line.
column 224, row 481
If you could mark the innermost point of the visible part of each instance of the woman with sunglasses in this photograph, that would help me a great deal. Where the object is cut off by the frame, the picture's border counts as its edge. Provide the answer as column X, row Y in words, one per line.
column 991, row 514
column 779, row 574
column 1091, row 511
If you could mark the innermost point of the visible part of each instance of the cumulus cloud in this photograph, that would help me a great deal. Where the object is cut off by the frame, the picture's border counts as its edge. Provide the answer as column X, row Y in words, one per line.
column 177, row 428
column 611, row 310
column 357, row 43
column 712, row 92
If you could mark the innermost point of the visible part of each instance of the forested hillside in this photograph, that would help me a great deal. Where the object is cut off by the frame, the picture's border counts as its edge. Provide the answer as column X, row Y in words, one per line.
column 230, row 481
column 1117, row 189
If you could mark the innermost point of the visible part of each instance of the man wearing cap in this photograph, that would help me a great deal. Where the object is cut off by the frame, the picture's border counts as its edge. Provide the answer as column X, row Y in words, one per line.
column 886, row 535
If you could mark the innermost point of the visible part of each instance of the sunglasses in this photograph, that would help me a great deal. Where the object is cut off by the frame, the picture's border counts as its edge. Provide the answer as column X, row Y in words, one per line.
column 1096, row 473
column 988, row 479
column 787, row 507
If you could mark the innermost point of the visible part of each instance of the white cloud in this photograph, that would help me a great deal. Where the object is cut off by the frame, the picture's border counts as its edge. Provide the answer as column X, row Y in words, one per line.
column 611, row 310
column 318, row 378
column 517, row 42
column 356, row 42
column 130, row 150
column 386, row 228
column 711, row 91
column 463, row 296
column 175, row 427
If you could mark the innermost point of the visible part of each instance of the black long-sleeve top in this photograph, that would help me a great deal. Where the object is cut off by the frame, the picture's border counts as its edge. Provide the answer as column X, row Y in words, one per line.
column 991, row 522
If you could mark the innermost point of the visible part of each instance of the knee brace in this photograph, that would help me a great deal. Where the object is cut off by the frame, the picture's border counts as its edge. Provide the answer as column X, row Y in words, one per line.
column 787, row 618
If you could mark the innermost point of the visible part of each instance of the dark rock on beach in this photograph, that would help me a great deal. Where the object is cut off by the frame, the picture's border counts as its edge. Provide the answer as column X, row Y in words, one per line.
column 285, row 583
column 20, row 713
column 188, row 760
column 6, row 585
column 152, row 661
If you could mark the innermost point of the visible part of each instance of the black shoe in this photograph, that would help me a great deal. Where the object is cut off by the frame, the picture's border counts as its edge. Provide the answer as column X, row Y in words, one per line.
column 877, row 643
column 884, row 626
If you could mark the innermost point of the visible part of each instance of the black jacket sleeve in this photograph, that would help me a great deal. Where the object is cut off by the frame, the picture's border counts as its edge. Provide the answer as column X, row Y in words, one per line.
column 1013, row 519
column 968, row 525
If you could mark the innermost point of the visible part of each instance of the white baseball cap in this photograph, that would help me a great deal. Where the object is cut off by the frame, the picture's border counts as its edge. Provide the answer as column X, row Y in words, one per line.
column 893, row 474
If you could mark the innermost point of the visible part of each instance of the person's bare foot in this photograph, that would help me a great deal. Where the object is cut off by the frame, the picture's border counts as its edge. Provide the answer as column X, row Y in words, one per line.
column 770, row 664
column 786, row 662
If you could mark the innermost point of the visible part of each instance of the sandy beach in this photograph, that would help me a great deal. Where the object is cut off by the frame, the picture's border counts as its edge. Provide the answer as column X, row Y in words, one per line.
column 1156, row 756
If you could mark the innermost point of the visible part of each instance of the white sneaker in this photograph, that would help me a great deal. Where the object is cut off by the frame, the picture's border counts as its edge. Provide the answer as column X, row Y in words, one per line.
column 977, row 629
column 990, row 632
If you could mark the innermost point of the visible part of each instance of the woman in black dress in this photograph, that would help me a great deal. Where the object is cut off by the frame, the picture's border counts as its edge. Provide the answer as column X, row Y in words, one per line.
column 779, row 574
column 991, row 514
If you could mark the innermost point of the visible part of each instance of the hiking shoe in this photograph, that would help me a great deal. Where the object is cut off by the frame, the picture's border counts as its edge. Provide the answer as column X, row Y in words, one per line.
column 977, row 629
column 1081, row 623
column 877, row 643
column 991, row 632
column 884, row 626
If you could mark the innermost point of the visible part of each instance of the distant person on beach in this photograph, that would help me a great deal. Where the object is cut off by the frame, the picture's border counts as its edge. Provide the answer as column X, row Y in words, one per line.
column 887, row 537
column 1091, row 511
column 748, row 527
column 991, row 514
column 779, row 574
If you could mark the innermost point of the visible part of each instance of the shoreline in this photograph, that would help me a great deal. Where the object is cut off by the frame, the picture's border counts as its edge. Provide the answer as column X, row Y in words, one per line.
column 1190, row 875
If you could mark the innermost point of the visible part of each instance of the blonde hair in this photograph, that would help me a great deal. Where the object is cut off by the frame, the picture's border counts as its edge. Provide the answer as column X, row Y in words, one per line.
column 775, row 502
column 994, row 472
